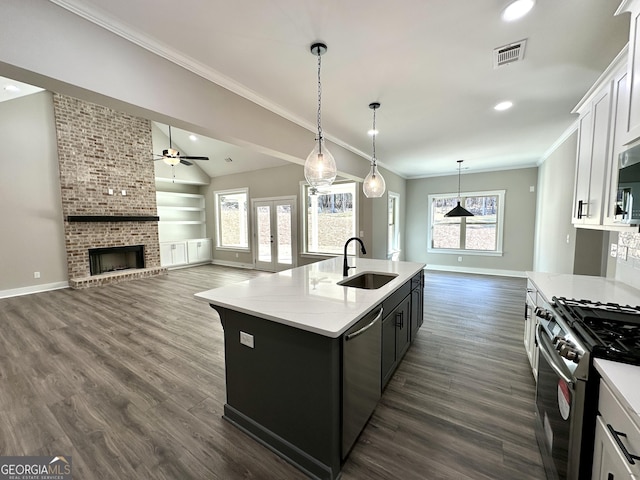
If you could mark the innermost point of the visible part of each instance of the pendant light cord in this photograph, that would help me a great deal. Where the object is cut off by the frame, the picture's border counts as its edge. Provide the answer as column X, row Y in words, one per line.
column 374, row 137
column 319, row 103
column 459, row 165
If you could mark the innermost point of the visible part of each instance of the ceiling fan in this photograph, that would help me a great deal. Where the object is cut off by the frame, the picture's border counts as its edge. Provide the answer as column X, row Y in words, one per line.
column 172, row 157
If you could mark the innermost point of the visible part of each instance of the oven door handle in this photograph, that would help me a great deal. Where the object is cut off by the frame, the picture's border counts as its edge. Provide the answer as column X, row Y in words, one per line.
column 549, row 353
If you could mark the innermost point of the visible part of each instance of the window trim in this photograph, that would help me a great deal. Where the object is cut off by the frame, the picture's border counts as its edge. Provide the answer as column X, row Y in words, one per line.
column 498, row 252
column 303, row 218
column 396, row 220
column 230, row 191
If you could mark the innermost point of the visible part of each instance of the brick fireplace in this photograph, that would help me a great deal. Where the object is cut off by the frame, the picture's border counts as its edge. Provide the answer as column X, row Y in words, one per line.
column 108, row 188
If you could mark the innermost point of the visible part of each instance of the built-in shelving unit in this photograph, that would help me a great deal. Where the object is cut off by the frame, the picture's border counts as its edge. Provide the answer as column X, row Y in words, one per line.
column 182, row 216
column 182, row 229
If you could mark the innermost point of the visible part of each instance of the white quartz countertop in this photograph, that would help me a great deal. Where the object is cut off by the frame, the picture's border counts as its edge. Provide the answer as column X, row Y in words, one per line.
column 624, row 381
column 309, row 297
column 585, row 287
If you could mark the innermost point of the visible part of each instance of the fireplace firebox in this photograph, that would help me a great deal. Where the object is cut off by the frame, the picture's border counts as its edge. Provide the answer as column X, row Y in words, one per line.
column 113, row 259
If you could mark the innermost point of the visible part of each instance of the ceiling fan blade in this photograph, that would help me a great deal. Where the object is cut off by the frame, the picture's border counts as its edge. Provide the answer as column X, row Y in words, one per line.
column 184, row 162
column 187, row 157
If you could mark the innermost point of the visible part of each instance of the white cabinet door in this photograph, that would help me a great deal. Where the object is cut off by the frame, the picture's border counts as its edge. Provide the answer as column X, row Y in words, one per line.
column 619, row 101
column 593, row 160
column 199, row 251
column 530, row 329
column 608, row 462
column 173, row 254
column 583, row 166
column 631, row 122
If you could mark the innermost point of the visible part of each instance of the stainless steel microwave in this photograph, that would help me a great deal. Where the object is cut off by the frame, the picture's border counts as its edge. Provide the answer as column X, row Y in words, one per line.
column 628, row 195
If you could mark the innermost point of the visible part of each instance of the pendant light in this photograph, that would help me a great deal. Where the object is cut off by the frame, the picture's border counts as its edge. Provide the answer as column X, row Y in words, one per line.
column 374, row 185
column 458, row 210
column 320, row 167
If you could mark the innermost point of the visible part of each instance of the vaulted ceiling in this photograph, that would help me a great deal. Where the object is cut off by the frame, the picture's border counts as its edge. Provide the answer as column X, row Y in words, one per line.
column 428, row 62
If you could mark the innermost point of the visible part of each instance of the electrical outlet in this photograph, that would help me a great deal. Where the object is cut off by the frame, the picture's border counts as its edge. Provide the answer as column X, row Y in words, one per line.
column 36, row 274
column 124, row 193
column 246, row 339
column 459, row 259
column 110, row 191
column 614, row 250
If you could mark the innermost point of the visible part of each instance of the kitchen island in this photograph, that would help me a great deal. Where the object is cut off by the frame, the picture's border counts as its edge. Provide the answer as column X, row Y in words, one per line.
column 289, row 368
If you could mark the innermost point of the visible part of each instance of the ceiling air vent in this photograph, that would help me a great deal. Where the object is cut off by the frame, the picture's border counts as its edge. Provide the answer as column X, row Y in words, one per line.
column 514, row 52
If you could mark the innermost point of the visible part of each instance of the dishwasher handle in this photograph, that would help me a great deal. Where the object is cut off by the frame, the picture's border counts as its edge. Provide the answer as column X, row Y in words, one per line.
column 550, row 355
column 353, row 335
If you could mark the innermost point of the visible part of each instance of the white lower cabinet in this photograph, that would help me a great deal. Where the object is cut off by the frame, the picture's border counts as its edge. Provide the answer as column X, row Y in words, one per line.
column 173, row 254
column 186, row 252
column 617, row 441
column 199, row 251
column 530, row 327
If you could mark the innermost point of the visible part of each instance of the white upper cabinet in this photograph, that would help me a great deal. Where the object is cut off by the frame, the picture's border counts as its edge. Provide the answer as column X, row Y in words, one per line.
column 601, row 133
column 630, row 126
column 619, row 108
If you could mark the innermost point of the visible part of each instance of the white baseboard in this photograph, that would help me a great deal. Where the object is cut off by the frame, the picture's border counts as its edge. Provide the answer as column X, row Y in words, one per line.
column 226, row 263
column 477, row 271
column 45, row 287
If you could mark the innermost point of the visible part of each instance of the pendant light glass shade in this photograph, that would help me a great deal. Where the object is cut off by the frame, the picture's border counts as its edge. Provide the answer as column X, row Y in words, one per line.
column 320, row 167
column 458, row 210
column 374, row 185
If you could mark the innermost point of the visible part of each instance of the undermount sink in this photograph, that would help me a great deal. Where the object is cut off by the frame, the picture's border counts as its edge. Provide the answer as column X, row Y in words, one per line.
column 368, row 280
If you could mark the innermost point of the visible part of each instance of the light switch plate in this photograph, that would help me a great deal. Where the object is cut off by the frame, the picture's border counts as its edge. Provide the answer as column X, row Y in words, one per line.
column 246, row 339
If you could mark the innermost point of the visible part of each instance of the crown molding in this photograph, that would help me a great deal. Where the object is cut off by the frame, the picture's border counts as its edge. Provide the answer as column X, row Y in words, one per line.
column 113, row 25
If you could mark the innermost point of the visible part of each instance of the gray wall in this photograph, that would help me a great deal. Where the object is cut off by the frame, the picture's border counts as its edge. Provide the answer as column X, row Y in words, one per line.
column 553, row 253
column 32, row 238
column 379, row 212
column 520, row 211
column 285, row 181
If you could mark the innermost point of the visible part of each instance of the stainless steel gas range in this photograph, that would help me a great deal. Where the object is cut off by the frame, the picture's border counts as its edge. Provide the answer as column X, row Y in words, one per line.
column 569, row 336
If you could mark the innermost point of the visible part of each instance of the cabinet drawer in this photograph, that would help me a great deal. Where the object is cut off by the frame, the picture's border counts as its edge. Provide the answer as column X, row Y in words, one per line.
column 391, row 302
column 614, row 414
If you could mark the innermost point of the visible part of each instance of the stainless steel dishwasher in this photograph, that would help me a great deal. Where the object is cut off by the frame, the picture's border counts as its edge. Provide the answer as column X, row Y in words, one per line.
column 361, row 372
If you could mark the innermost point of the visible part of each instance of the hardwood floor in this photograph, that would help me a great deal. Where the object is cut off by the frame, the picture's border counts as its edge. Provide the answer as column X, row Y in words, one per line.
column 129, row 380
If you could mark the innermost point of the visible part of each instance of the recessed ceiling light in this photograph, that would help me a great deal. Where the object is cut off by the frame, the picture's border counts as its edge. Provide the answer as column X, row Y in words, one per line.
column 517, row 9
column 193, row 138
column 11, row 88
column 503, row 106
column 373, row 132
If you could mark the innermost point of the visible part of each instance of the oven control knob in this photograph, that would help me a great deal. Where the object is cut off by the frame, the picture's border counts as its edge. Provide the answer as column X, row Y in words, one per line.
column 559, row 342
column 543, row 313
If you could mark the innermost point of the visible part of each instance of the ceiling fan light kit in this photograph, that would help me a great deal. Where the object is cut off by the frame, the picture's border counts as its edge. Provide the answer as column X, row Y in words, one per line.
column 374, row 185
column 320, row 166
column 459, row 210
column 172, row 157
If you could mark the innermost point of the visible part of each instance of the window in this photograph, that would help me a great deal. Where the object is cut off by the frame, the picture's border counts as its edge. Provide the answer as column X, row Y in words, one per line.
column 480, row 234
column 330, row 218
column 393, row 228
column 232, row 219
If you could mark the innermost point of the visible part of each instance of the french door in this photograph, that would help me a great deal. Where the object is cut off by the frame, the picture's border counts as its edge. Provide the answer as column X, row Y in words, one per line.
column 274, row 233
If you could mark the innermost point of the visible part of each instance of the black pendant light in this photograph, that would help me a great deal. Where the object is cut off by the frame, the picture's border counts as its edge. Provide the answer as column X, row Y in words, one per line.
column 458, row 210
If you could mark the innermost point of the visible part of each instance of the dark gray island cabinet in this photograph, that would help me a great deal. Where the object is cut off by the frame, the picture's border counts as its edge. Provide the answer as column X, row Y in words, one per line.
column 305, row 371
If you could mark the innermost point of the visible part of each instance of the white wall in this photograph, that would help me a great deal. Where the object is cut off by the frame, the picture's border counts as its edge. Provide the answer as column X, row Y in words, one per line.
column 520, row 211
column 61, row 52
column 32, row 238
column 553, row 253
